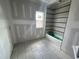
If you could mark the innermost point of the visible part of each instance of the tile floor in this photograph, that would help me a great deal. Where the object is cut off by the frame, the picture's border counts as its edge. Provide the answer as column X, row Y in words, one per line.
column 37, row 49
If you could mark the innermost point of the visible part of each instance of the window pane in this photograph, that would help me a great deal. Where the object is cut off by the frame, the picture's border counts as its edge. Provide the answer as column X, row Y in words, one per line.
column 39, row 19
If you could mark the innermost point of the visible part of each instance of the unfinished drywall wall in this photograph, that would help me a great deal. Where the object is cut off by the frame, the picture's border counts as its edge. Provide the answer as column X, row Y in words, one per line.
column 71, row 36
column 24, row 20
column 5, row 38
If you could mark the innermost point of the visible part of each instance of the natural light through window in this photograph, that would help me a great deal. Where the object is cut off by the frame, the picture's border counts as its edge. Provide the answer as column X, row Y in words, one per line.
column 39, row 19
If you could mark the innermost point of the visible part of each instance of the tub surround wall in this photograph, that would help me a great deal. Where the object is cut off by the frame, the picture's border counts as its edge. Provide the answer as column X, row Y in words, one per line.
column 57, row 16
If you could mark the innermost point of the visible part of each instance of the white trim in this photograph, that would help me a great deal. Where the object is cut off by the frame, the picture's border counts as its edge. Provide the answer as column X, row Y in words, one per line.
column 75, row 49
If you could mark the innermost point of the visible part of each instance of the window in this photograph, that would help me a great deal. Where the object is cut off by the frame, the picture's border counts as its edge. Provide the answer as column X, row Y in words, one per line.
column 39, row 19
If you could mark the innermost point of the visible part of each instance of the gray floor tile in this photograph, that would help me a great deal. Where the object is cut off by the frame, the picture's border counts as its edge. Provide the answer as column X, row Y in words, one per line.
column 34, row 49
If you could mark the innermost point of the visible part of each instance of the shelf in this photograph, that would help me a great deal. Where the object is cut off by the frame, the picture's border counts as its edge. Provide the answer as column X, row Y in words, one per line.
column 57, row 22
column 59, row 7
column 57, row 13
column 63, row 4
column 56, row 18
column 55, row 26
column 55, row 30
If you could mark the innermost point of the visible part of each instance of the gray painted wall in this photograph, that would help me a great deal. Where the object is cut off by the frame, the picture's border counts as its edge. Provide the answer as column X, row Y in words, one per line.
column 24, row 23
column 5, row 37
column 71, row 36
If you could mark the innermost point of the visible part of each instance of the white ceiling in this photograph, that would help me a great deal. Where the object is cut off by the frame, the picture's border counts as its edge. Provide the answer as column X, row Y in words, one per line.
column 47, row 1
column 50, row 1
